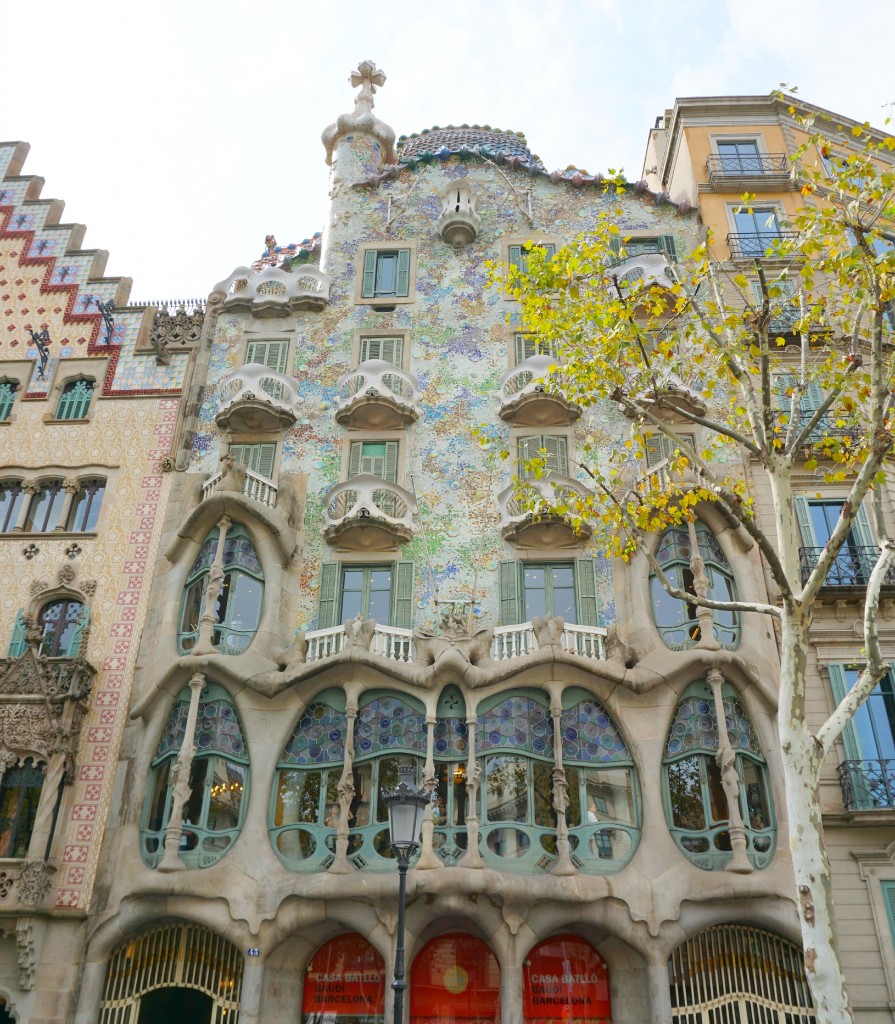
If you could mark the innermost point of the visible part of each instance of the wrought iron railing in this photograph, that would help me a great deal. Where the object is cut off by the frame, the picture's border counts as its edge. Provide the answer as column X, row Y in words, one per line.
column 850, row 568
column 868, row 785
column 758, row 245
column 746, row 165
column 172, row 305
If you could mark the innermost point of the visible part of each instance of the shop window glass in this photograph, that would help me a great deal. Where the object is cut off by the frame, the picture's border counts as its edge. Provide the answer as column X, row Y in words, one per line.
column 565, row 979
column 344, row 983
column 19, row 797
column 455, row 979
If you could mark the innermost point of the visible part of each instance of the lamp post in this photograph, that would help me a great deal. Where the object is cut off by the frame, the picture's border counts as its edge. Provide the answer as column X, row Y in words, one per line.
column 405, row 804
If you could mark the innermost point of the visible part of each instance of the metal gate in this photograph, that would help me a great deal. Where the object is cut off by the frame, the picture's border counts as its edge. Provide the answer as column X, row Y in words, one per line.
column 738, row 975
column 175, row 956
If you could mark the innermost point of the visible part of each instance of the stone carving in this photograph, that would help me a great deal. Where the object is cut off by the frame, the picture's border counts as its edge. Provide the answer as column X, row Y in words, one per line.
column 362, row 120
column 548, row 631
column 359, row 632
column 233, row 474
column 167, row 464
column 38, row 587
column 34, row 883
column 73, row 550
column 180, row 329
column 618, row 650
column 25, row 948
column 455, row 643
column 6, row 883
column 88, row 587
column 30, row 550
column 65, row 575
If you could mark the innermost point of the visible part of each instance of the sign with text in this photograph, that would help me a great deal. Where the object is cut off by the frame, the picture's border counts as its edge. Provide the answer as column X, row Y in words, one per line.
column 455, row 980
column 566, row 982
column 344, row 984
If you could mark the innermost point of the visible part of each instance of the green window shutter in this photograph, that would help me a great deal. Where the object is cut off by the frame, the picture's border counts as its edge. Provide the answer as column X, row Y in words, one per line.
column 803, row 516
column 586, row 592
column 271, row 354
column 510, row 604
column 368, row 289
column 840, row 686
column 391, row 350
column 889, row 900
column 615, row 246
column 265, row 459
column 402, row 595
column 17, row 644
column 813, row 398
column 514, row 254
column 861, row 531
column 354, row 458
column 391, row 462
column 527, row 448
column 549, row 251
column 557, row 449
column 667, row 246
column 74, row 646
column 658, row 449
column 403, row 281
column 240, row 453
column 327, row 603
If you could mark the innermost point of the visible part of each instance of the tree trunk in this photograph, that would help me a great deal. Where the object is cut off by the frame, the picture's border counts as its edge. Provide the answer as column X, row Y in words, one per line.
column 814, row 889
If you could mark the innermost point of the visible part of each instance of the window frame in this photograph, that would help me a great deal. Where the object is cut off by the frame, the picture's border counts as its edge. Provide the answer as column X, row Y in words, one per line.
column 362, row 278
column 24, row 807
column 512, row 590
column 860, row 538
column 84, row 408
column 523, row 439
column 393, row 448
column 362, row 335
column 8, row 400
column 262, row 453
column 508, row 245
column 78, row 626
column 330, row 593
column 13, row 512
column 52, row 515
column 95, row 490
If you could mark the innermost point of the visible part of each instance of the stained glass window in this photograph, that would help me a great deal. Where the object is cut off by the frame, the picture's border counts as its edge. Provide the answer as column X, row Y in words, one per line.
column 388, row 722
column 518, row 722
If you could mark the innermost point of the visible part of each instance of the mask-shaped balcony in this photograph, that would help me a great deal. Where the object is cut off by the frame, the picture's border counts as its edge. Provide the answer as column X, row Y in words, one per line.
column 377, row 396
column 533, row 528
column 256, row 398
column 525, row 400
column 367, row 513
column 273, row 292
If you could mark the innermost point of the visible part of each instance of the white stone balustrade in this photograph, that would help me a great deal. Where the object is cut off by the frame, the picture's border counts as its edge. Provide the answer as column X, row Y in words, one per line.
column 367, row 513
column 525, row 399
column 275, row 292
column 254, row 486
column 377, row 395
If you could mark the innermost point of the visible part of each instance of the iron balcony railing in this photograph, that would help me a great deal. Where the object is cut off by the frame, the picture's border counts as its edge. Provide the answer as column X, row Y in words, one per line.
column 850, row 568
column 868, row 785
column 758, row 245
column 747, row 165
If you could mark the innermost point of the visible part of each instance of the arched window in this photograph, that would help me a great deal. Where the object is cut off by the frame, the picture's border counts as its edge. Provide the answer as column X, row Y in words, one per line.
column 451, row 745
column 11, row 497
column 238, row 609
column 454, row 979
column 677, row 620
column 733, row 972
column 19, row 797
column 63, row 624
column 219, row 778
column 604, row 801
column 8, row 389
column 695, row 803
column 74, row 404
column 45, row 508
column 344, row 982
column 564, row 979
column 305, row 808
column 515, row 750
column 86, row 505
column 389, row 730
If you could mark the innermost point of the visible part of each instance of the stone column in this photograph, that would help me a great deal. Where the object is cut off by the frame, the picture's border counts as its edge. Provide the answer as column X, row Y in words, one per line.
column 511, row 982
column 428, row 857
column 341, row 865
column 659, row 990
column 71, row 488
column 472, row 858
column 730, row 779
column 7, row 760
column 29, row 489
column 208, row 618
column 252, row 988
column 93, row 979
column 563, row 865
column 701, row 586
column 54, row 773
column 180, row 781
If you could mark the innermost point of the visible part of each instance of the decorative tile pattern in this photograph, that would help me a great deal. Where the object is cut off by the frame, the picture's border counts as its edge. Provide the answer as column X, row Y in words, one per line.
column 387, row 723
column 590, row 736
column 518, row 723
column 695, row 727
column 319, row 737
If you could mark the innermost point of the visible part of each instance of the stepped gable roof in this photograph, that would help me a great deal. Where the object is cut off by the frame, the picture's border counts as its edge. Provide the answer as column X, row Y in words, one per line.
column 467, row 138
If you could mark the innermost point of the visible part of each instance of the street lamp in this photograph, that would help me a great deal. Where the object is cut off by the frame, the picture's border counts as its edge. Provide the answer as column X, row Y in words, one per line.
column 405, row 804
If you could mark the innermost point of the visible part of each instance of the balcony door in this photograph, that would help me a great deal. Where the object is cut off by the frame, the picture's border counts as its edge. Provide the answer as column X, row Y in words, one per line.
column 869, row 741
column 856, row 558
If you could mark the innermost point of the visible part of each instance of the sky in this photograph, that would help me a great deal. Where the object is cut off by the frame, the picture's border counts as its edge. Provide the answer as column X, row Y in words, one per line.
column 182, row 132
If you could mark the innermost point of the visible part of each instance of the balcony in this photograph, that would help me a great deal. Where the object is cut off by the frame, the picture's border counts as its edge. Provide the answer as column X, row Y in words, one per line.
column 525, row 525
column 272, row 292
column 758, row 245
column 759, row 172
column 253, row 486
column 367, row 513
column 525, row 400
column 377, row 396
column 256, row 398
column 850, row 568
column 868, row 785
column 508, row 642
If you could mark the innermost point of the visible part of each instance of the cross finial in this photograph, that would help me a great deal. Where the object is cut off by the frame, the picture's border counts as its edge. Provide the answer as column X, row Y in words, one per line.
column 368, row 77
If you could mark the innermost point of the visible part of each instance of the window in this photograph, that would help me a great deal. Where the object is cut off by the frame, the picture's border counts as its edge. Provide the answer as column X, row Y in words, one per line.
column 755, row 230
column 380, row 592
column 889, row 901
column 660, row 448
column 259, row 458
column 75, row 401
column 645, row 246
column 238, row 608
column 63, row 623
column 548, row 588
column 785, row 311
column 677, row 620
column 390, row 350
column 450, row 805
column 86, row 505
column 8, row 389
column 45, row 508
column 739, row 156
column 19, row 797
column 517, row 255
column 219, row 776
column 695, row 803
column 868, row 775
column 551, row 449
column 527, row 345
column 305, row 810
column 345, row 968
column 857, row 556
column 11, row 498
column 271, row 354
column 386, row 274
column 379, row 458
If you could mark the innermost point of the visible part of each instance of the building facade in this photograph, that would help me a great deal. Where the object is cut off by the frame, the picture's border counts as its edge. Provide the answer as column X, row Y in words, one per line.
column 89, row 400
